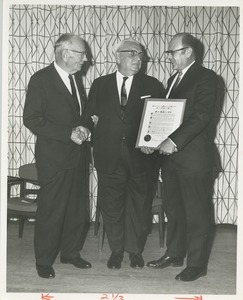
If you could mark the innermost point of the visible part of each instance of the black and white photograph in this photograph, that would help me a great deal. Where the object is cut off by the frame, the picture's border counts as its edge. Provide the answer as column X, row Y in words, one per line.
column 98, row 200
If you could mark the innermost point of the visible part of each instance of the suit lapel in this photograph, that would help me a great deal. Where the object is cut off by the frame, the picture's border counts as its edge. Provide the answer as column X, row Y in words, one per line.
column 186, row 80
column 113, row 93
column 80, row 90
column 60, row 85
column 170, row 80
column 136, row 89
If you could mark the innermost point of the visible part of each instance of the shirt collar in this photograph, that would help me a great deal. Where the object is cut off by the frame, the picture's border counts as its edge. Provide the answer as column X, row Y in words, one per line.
column 60, row 70
column 186, row 68
column 120, row 76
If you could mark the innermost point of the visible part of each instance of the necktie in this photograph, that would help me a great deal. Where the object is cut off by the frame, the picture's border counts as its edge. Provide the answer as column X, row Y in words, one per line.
column 177, row 81
column 74, row 93
column 123, row 94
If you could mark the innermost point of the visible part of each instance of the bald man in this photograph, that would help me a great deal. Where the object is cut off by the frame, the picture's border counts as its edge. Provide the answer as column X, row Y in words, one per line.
column 187, row 160
column 125, row 174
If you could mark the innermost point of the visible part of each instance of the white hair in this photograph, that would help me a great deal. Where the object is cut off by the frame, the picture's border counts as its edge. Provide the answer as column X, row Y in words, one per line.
column 121, row 44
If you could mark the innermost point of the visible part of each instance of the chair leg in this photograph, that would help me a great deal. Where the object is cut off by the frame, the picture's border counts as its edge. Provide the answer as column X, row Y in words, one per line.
column 21, row 227
column 97, row 220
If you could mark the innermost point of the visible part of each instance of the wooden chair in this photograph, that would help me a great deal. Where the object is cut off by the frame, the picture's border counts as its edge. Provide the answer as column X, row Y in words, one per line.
column 23, row 206
column 157, row 209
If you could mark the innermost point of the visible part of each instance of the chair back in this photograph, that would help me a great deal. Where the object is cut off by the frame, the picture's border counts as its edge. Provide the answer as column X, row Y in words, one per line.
column 23, row 207
column 28, row 171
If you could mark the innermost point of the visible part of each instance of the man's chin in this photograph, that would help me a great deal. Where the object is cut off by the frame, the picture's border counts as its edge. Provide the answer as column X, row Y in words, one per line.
column 136, row 69
column 79, row 67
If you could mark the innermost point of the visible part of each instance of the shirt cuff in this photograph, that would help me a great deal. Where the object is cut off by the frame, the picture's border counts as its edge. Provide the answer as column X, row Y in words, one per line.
column 172, row 142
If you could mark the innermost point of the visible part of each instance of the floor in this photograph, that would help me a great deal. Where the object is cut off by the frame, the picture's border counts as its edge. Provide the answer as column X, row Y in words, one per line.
column 22, row 277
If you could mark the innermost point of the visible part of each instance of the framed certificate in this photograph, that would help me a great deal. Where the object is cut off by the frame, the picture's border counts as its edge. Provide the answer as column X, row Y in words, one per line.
column 159, row 119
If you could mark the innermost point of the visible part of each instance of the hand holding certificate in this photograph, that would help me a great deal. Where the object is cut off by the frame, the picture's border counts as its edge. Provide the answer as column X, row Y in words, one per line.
column 160, row 118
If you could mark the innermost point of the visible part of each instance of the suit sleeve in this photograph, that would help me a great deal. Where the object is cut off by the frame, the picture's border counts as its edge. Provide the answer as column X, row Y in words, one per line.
column 91, row 105
column 35, row 116
column 204, row 99
column 159, row 89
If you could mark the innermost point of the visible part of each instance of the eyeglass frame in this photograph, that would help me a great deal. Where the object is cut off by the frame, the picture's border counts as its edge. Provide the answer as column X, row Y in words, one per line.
column 83, row 53
column 134, row 53
column 172, row 52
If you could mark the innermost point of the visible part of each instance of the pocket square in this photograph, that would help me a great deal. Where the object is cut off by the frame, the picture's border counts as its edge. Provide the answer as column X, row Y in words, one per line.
column 146, row 96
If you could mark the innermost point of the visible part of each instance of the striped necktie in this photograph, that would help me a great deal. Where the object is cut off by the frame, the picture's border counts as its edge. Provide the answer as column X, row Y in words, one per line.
column 177, row 81
column 123, row 94
column 74, row 93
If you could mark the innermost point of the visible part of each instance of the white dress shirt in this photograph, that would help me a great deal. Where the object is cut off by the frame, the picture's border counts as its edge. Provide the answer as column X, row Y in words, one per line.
column 128, row 83
column 183, row 72
column 64, row 76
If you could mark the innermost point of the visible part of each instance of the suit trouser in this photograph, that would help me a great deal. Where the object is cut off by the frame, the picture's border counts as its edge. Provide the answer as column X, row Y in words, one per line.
column 187, row 207
column 62, row 214
column 125, row 199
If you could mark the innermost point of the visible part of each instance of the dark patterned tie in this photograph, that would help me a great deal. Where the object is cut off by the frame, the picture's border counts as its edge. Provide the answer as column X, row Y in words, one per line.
column 123, row 94
column 74, row 93
column 176, row 82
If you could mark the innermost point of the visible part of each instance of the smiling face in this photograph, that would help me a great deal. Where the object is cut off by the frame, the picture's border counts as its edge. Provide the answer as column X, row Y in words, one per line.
column 71, row 54
column 129, row 58
column 179, row 54
column 75, row 55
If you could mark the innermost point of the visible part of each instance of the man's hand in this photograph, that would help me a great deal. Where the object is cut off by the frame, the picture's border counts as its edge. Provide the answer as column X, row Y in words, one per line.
column 95, row 119
column 167, row 147
column 147, row 150
column 80, row 134
column 85, row 133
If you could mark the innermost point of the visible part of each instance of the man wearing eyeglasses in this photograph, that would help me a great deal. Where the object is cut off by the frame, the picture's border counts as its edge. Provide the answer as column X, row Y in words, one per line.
column 53, row 111
column 125, row 174
column 186, row 162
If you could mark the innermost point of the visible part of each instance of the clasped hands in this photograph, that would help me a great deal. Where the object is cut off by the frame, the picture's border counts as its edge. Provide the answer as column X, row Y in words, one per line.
column 166, row 148
column 80, row 134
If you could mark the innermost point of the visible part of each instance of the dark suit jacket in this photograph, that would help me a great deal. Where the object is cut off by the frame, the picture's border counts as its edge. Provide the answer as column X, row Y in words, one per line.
column 104, row 102
column 194, row 137
column 49, row 112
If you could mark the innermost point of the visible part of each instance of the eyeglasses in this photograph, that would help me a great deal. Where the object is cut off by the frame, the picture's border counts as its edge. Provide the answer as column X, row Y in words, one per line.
column 82, row 53
column 172, row 52
column 133, row 53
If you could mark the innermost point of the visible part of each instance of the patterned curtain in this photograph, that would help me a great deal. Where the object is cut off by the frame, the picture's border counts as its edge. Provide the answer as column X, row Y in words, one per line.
column 34, row 29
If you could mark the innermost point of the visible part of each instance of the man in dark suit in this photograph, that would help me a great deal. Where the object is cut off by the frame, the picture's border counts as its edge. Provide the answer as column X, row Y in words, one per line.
column 125, row 174
column 53, row 112
column 187, row 162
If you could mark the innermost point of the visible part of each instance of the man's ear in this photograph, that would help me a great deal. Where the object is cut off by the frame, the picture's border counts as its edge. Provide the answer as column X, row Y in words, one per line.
column 117, row 56
column 65, row 55
column 188, row 52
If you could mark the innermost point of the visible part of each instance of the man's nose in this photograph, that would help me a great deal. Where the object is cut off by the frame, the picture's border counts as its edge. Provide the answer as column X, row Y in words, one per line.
column 84, row 58
column 138, row 58
column 169, row 55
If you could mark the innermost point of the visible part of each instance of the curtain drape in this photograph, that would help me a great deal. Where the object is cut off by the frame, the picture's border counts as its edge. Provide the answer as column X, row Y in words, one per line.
column 34, row 29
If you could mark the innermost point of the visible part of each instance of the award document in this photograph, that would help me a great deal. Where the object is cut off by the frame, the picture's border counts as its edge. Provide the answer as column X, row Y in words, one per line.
column 159, row 119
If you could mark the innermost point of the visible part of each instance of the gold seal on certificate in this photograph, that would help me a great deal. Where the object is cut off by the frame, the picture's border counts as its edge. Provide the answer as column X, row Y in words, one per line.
column 159, row 119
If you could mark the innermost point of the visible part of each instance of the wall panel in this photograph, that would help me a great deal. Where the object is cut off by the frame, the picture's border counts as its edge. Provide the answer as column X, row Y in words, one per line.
column 34, row 29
